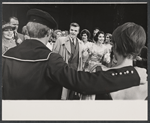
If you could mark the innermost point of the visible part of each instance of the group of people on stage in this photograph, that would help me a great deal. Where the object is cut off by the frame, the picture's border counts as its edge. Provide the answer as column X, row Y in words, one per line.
column 46, row 63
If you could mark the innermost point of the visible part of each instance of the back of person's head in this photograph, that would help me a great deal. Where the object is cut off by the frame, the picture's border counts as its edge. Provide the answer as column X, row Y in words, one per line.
column 87, row 32
column 37, row 30
column 97, row 34
column 128, row 39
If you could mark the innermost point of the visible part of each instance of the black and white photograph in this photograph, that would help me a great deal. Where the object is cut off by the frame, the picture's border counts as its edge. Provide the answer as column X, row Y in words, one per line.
column 80, row 61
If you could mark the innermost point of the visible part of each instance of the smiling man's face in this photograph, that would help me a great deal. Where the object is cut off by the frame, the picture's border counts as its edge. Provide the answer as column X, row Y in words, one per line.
column 74, row 31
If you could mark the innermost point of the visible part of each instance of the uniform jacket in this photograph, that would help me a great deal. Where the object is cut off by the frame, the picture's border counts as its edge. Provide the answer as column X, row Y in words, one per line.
column 32, row 71
column 63, row 47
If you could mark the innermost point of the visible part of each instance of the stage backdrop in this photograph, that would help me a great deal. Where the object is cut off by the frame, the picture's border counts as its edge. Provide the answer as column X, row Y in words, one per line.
column 105, row 16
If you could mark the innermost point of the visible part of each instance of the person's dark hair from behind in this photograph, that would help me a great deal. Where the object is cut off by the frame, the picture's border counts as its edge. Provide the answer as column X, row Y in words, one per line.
column 97, row 34
column 128, row 39
column 37, row 30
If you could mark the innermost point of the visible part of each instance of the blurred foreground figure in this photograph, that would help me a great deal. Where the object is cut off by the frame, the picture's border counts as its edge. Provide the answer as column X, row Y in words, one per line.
column 128, row 40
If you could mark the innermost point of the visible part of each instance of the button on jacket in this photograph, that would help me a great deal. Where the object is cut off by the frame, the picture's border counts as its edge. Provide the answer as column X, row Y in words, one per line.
column 32, row 71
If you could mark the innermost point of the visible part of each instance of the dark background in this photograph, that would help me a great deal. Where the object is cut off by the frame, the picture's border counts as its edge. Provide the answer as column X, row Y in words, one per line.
column 105, row 16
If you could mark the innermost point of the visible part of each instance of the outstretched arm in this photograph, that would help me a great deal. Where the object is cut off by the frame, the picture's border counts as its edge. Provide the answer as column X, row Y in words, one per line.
column 92, row 83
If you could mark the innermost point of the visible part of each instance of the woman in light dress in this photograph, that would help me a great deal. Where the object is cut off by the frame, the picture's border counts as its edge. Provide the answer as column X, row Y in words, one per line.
column 94, row 55
column 85, row 37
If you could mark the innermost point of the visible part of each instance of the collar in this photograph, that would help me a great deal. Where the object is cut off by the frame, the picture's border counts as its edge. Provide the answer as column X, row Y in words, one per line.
column 29, row 49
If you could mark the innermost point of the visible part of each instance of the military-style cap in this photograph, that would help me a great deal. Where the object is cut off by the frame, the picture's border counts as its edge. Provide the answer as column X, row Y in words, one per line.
column 42, row 17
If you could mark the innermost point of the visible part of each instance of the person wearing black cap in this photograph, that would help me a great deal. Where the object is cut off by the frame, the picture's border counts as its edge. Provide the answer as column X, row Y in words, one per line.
column 32, row 71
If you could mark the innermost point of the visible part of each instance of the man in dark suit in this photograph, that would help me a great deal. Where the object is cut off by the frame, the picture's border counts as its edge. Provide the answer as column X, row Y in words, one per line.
column 32, row 71
column 18, row 36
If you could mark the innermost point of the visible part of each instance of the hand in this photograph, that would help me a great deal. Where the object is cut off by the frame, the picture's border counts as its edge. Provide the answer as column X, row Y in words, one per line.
column 85, row 56
column 138, row 58
column 26, row 37
column 85, row 53
column 19, row 41
column 107, row 58
column 142, row 73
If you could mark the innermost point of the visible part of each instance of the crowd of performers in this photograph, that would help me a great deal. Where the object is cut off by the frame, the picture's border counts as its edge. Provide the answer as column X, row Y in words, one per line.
column 89, row 53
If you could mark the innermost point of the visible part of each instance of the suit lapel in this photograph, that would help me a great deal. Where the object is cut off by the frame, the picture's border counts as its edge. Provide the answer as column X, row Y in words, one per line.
column 68, row 45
